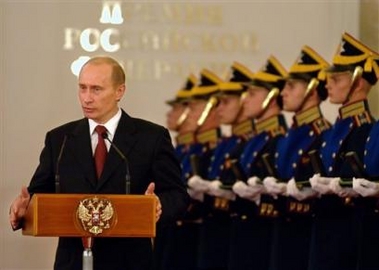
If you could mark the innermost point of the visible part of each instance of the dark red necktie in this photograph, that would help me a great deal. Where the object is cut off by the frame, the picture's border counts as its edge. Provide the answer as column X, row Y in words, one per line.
column 100, row 151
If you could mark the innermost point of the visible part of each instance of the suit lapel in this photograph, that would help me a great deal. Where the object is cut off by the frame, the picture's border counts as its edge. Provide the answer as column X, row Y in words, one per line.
column 83, row 152
column 124, row 139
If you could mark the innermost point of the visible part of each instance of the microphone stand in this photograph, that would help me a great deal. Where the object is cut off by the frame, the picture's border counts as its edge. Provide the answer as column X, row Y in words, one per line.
column 123, row 157
column 57, row 176
column 87, row 241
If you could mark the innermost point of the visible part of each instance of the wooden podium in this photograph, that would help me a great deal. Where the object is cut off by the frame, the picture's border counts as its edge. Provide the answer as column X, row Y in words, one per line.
column 90, row 215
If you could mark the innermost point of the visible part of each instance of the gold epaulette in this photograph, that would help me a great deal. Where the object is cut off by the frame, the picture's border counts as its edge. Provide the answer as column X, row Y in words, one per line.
column 271, row 125
column 308, row 116
column 353, row 109
column 210, row 136
column 244, row 128
column 188, row 138
column 312, row 116
column 359, row 111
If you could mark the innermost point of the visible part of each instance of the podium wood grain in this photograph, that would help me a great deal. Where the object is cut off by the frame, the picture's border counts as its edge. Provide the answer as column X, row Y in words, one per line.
column 55, row 215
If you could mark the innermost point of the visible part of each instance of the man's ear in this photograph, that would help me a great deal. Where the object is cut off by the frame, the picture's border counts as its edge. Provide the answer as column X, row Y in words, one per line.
column 120, row 91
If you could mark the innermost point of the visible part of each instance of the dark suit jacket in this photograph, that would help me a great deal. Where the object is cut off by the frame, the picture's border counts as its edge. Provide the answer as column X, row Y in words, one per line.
column 151, row 158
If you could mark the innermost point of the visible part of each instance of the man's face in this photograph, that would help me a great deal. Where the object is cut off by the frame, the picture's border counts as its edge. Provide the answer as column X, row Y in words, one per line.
column 97, row 94
column 228, row 109
column 293, row 94
column 252, row 104
column 173, row 115
column 338, row 85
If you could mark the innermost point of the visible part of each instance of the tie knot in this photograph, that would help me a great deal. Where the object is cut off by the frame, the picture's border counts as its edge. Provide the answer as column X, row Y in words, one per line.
column 100, row 130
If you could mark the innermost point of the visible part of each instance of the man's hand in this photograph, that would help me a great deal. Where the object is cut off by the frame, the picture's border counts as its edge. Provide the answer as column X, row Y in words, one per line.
column 198, row 184
column 322, row 184
column 299, row 194
column 18, row 208
column 150, row 191
column 274, row 188
column 365, row 187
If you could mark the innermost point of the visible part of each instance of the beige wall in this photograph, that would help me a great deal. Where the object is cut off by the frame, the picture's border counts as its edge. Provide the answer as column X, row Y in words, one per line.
column 38, row 91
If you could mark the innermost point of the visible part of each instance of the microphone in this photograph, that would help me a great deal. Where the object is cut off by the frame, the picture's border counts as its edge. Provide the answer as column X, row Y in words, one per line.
column 123, row 157
column 57, row 176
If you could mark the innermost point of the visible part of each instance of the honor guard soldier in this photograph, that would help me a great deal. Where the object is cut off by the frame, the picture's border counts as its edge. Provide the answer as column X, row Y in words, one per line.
column 254, row 211
column 214, row 237
column 203, row 119
column 178, row 114
column 185, row 136
column 368, row 187
column 302, row 94
column 349, row 80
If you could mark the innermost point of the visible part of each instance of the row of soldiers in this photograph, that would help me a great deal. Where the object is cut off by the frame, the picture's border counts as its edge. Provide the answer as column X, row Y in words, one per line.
column 269, row 196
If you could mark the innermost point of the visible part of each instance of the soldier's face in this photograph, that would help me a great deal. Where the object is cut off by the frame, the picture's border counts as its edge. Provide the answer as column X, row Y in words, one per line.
column 228, row 109
column 338, row 85
column 293, row 94
column 252, row 104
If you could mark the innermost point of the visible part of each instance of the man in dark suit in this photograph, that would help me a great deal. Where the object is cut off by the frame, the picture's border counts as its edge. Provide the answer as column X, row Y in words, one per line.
column 69, row 151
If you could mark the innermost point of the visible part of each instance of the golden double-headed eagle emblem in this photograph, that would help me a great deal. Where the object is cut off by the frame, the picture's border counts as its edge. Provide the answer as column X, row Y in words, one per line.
column 95, row 214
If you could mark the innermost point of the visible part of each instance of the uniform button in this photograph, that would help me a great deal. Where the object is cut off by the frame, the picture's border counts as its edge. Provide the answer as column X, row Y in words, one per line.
column 267, row 137
column 249, row 165
column 364, row 166
column 300, row 152
column 276, row 155
column 365, row 153
column 242, row 156
column 330, row 169
column 222, row 167
column 323, row 144
column 294, row 165
column 351, row 125
column 368, row 138
column 213, row 158
column 226, row 155
column 334, row 155
column 341, row 141
column 311, row 133
column 255, row 154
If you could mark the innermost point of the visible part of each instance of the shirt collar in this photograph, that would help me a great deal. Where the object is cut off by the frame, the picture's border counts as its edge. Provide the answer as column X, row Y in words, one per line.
column 111, row 125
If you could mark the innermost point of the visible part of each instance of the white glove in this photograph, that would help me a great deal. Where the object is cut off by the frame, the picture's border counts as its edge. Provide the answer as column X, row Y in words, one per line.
column 196, row 195
column 340, row 191
column 273, row 187
column 321, row 184
column 216, row 190
column 245, row 191
column 365, row 187
column 256, row 183
column 198, row 184
column 299, row 194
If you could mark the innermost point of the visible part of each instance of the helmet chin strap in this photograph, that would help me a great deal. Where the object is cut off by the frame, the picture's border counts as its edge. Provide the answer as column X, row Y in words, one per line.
column 182, row 117
column 212, row 102
column 274, row 93
column 357, row 74
column 310, row 87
